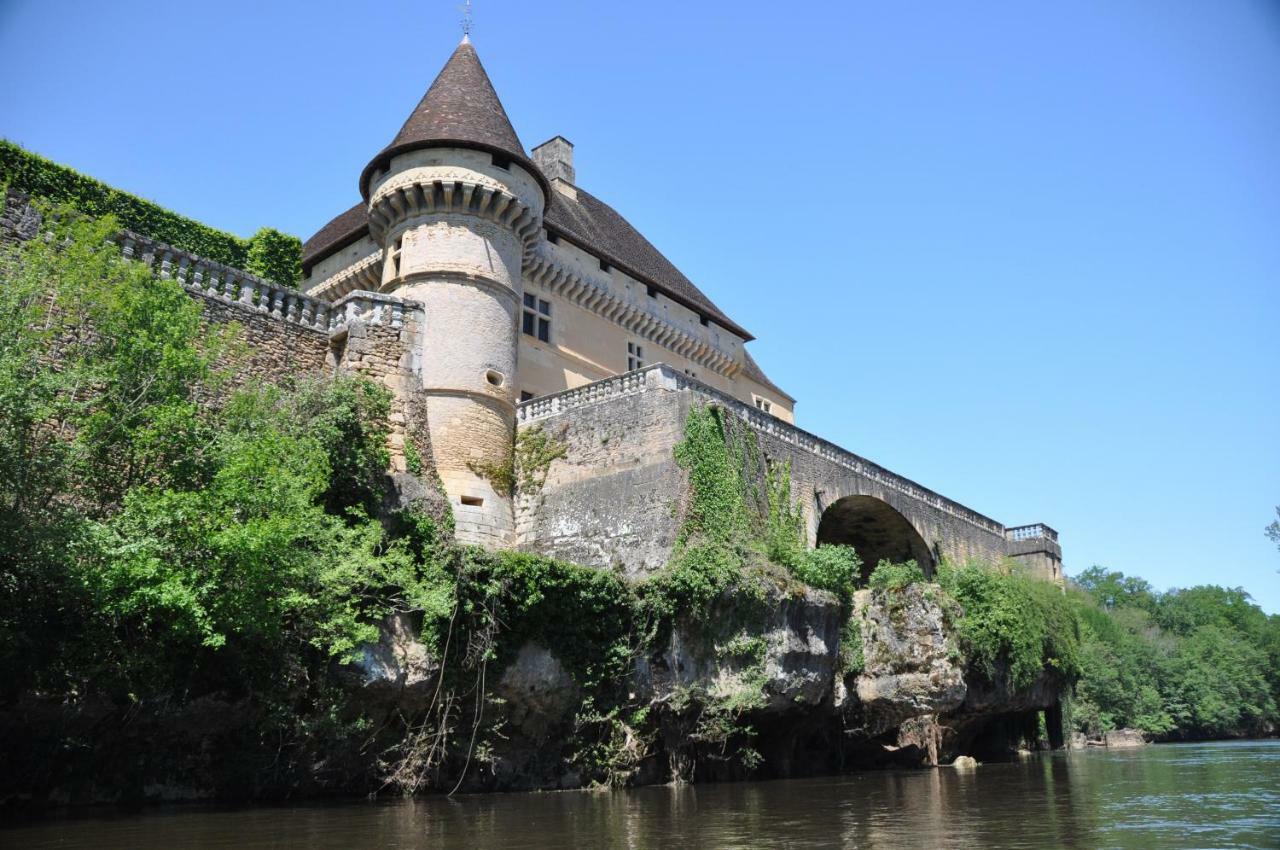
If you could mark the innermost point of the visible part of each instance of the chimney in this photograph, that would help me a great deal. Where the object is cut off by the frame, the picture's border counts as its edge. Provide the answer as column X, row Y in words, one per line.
column 555, row 158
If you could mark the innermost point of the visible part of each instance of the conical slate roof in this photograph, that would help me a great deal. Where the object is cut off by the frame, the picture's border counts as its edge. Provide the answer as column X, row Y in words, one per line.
column 461, row 109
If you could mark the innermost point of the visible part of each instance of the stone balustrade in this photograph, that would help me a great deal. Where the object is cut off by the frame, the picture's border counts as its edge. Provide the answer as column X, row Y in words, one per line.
column 1031, row 532
column 250, row 292
column 662, row 376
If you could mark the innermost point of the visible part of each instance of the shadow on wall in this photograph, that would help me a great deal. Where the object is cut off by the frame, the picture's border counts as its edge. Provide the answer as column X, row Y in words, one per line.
column 876, row 531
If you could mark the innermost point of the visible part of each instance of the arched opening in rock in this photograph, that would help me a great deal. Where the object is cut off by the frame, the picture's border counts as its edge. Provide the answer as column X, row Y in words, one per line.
column 876, row 531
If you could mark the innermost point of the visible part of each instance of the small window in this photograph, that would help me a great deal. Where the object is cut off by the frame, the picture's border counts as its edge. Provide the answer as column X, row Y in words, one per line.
column 763, row 404
column 535, row 320
column 604, row 267
column 525, row 395
column 502, row 162
column 703, row 320
column 635, row 356
column 653, row 292
column 472, row 501
column 553, row 239
column 494, row 377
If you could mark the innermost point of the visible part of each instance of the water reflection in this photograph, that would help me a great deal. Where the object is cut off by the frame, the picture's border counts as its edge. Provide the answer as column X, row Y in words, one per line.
column 1202, row 795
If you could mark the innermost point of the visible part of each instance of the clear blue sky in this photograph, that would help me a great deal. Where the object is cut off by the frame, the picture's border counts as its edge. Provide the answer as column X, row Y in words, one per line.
column 1027, row 254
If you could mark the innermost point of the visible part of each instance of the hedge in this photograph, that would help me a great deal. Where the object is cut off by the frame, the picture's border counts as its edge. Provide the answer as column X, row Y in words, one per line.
column 269, row 253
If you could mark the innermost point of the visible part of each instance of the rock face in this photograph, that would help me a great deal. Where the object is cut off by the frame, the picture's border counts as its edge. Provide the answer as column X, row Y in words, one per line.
column 398, row 668
column 911, row 666
column 1123, row 738
column 538, row 690
column 790, row 660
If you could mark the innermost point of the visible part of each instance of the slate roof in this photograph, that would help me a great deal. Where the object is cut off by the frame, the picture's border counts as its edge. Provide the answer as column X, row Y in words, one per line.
column 597, row 228
column 752, row 370
column 334, row 236
column 587, row 222
column 460, row 109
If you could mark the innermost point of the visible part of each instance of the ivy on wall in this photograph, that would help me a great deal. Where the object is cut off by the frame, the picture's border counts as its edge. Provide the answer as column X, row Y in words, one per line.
column 270, row 253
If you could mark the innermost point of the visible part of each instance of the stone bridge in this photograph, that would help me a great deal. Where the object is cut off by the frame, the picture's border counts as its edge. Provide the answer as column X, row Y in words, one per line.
column 614, row 500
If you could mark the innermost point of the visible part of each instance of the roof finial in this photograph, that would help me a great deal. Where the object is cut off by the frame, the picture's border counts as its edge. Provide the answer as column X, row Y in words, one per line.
column 466, row 21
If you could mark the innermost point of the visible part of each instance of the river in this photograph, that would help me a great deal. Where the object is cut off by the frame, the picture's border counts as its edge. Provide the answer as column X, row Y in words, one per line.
column 1223, row 794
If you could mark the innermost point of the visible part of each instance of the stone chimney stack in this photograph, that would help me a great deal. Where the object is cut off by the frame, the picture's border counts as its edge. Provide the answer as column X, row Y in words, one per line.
column 555, row 158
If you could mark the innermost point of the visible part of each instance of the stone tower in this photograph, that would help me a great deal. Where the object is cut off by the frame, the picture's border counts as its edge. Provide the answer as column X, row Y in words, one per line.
column 456, row 206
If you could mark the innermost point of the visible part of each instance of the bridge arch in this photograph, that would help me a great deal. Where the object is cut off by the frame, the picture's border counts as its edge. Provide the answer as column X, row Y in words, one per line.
column 876, row 531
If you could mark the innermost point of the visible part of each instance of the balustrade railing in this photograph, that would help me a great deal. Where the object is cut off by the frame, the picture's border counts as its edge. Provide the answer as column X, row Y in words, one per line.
column 660, row 374
column 1034, row 531
column 252, row 293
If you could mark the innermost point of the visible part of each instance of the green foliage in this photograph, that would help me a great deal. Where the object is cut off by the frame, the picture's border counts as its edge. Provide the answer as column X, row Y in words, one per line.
column 270, row 253
column 535, row 451
column 412, row 456
column 152, row 537
column 894, row 577
column 1197, row 662
column 276, row 256
column 784, row 522
column 717, row 512
column 1014, row 626
column 852, row 655
column 830, row 567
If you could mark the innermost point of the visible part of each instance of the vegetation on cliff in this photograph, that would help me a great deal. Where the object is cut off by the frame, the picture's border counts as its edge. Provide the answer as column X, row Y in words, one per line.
column 168, row 534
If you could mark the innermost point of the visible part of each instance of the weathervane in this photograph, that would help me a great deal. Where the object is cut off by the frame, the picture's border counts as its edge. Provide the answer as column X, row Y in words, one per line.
column 466, row 19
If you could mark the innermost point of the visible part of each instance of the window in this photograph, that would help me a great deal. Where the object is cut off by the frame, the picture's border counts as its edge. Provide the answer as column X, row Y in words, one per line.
column 653, row 292
column 501, row 162
column 553, row 239
column 703, row 320
column 392, row 268
column 635, row 356
column 763, row 404
column 604, row 267
column 536, row 321
column 525, row 395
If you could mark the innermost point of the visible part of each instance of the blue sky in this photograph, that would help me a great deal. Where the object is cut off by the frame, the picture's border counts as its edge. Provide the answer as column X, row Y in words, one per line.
column 1027, row 254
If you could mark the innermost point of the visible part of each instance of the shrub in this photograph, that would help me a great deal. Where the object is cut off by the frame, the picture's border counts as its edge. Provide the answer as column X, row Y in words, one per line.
column 1013, row 625
column 891, row 576
column 829, row 567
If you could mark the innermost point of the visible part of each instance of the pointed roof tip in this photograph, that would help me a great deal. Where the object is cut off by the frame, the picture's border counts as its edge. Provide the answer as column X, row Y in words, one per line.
column 466, row 38
column 460, row 109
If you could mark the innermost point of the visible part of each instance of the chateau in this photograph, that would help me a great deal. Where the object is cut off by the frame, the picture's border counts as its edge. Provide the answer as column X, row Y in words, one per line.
column 493, row 296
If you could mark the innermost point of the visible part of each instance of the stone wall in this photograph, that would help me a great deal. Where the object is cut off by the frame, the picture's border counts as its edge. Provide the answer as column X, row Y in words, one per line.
column 614, row 500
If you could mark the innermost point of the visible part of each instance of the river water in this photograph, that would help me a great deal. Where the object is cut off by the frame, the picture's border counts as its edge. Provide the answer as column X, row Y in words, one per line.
column 1167, row 796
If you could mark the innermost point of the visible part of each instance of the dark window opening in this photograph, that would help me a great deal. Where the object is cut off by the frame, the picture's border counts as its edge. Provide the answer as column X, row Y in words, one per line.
column 604, row 267
column 635, row 356
column 535, row 320
column 501, row 162
column 653, row 292
column 472, row 501
column 525, row 395
column 703, row 320
column 553, row 239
